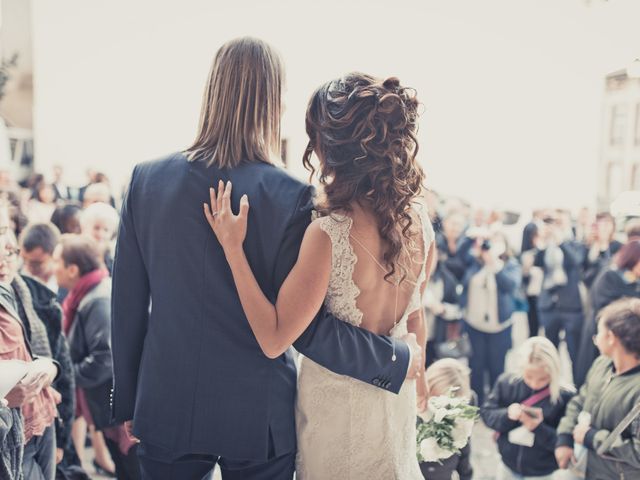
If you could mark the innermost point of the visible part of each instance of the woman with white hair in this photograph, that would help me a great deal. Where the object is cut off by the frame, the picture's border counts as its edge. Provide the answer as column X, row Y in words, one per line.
column 525, row 408
column 100, row 222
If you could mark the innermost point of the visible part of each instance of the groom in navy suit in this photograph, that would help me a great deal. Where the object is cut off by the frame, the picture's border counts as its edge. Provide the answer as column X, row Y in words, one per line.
column 188, row 369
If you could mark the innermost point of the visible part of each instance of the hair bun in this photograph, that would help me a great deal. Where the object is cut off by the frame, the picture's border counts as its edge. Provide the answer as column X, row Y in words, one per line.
column 391, row 83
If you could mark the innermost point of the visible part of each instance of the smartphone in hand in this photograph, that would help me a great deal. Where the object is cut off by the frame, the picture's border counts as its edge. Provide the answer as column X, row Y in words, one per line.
column 532, row 412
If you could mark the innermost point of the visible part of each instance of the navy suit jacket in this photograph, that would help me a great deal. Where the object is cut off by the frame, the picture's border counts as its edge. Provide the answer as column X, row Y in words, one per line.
column 187, row 366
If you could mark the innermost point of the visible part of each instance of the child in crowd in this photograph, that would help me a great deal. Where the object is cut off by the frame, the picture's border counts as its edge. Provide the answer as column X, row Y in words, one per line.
column 525, row 408
column 442, row 377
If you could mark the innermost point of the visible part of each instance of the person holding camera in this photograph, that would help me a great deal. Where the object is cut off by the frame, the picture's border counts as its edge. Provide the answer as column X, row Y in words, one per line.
column 491, row 283
column 453, row 244
column 560, row 304
column 524, row 408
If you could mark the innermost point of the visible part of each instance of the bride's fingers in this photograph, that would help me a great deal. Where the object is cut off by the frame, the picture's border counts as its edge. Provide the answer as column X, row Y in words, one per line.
column 213, row 199
column 226, row 199
column 244, row 207
column 219, row 198
column 209, row 216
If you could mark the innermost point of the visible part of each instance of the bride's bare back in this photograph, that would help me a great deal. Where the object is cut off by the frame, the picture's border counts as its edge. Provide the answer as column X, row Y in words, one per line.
column 377, row 299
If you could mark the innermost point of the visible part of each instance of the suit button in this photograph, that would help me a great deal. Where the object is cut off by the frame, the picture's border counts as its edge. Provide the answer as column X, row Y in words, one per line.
column 376, row 382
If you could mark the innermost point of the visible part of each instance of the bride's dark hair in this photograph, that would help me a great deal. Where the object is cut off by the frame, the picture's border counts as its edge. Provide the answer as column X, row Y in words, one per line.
column 364, row 130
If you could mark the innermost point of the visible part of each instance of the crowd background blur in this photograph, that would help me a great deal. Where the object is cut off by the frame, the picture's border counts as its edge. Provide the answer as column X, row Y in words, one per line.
column 501, row 277
column 550, row 271
column 56, row 255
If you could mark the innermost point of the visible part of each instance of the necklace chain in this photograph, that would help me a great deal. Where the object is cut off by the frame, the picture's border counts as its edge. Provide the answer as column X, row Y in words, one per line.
column 397, row 284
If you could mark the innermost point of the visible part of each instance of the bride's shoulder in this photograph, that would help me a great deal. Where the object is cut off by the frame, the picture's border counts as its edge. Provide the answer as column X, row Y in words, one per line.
column 420, row 216
column 317, row 241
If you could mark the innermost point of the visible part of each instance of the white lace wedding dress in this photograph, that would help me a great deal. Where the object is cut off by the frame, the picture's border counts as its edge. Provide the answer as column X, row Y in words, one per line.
column 347, row 429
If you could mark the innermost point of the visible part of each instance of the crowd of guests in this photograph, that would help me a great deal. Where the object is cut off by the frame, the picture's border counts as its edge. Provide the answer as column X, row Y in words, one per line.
column 577, row 281
column 574, row 280
column 56, row 256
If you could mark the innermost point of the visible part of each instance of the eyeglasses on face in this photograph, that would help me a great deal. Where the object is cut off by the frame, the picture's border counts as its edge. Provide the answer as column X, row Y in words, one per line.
column 9, row 254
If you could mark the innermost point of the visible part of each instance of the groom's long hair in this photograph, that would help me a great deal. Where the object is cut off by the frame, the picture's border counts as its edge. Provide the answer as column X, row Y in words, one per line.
column 241, row 107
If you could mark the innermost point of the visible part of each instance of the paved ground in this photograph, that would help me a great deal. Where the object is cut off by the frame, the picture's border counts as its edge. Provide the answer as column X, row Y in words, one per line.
column 484, row 457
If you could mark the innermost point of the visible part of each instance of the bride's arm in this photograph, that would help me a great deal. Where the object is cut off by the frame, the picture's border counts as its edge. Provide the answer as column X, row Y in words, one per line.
column 299, row 299
column 302, row 293
column 416, row 324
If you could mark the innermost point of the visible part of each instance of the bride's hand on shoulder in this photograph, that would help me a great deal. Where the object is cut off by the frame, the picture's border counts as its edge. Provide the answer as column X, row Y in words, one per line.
column 230, row 229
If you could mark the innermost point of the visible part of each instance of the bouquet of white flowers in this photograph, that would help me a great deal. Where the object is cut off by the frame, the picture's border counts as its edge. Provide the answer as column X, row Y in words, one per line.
column 445, row 427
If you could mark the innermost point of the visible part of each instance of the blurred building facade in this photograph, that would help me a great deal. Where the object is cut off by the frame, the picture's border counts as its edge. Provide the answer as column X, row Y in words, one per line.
column 16, row 104
column 619, row 162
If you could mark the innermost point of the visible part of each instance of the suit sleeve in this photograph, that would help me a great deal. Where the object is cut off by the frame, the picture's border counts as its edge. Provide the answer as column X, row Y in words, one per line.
column 129, row 311
column 338, row 346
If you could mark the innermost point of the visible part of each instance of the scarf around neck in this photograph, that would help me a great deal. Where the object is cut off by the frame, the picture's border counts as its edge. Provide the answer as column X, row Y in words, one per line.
column 39, row 339
column 71, row 303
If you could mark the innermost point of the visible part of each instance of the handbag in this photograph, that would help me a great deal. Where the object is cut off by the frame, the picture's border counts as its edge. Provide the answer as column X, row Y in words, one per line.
column 579, row 468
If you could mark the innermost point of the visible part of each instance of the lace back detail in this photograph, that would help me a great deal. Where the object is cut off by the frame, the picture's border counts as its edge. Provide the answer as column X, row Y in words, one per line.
column 342, row 293
column 415, row 303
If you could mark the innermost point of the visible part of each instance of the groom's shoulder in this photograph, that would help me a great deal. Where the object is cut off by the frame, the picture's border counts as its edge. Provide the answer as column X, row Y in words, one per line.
column 274, row 173
column 275, row 181
column 166, row 164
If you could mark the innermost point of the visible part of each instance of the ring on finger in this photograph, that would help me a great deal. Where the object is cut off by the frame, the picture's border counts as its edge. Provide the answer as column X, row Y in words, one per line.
column 213, row 214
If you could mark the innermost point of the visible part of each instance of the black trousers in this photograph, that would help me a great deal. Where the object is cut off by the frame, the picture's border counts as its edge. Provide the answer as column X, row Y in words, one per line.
column 159, row 464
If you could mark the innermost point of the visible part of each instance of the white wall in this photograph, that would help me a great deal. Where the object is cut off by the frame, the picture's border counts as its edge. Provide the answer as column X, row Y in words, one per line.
column 15, row 38
column 512, row 90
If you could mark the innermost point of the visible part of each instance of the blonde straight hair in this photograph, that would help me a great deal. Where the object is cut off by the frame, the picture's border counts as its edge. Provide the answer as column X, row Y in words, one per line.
column 241, row 107
column 446, row 374
column 540, row 352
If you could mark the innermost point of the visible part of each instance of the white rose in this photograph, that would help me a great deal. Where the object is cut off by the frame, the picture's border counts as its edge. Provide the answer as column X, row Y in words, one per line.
column 458, row 401
column 431, row 451
column 439, row 415
column 454, row 412
column 438, row 402
column 461, row 432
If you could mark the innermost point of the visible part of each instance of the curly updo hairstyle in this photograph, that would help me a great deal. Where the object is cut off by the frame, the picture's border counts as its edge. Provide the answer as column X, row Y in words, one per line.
column 364, row 130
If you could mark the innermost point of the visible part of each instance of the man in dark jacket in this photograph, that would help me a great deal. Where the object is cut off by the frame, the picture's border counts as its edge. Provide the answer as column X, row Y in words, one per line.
column 560, row 304
column 188, row 369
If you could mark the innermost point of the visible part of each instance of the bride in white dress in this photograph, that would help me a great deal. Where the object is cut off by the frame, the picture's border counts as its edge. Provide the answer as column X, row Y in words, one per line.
column 366, row 257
